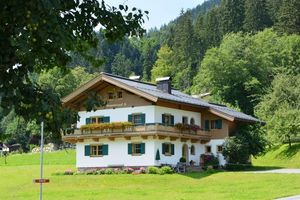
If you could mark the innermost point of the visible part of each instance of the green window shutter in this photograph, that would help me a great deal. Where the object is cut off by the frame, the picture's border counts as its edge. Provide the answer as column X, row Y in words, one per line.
column 163, row 148
column 220, row 123
column 87, row 120
column 142, row 148
column 129, row 148
column 143, row 118
column 172, row 149
column 130, row 118
column 106, row 119
column 206, row 127
column 87, row 150
column 163, row 119
column 172, row 120
column 104, row 149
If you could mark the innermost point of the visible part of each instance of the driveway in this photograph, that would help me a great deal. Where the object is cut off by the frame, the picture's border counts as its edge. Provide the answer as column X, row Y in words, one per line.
column 290, row 198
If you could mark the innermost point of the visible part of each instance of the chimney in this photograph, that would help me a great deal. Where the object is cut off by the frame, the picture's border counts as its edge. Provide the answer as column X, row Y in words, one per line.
column 164, row 84
column 135, row 78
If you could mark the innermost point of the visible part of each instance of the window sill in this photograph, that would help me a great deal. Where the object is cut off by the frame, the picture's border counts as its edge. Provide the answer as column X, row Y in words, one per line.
column 168, row 154
column 136, row 154
column 96, row 156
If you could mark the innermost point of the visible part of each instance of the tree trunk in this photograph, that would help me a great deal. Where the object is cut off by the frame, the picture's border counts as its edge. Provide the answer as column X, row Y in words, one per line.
column 289, row 140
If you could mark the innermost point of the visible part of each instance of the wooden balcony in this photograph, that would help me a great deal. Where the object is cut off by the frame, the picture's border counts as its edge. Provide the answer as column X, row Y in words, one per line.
column 158, row 130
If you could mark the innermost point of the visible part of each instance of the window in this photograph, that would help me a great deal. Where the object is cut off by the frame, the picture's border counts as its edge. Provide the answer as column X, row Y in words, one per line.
column 219, row 148
column 207, row 149
column 96, row 150
column 120, row 95
column 110, row 95
column 167, row 119
column 94, row 120
column 136, row 148
column 193, row 150
column 97, row 120
column 185, row 120
column 192, row 121
column 168, row 149
column 216, row 124
column 137, row 119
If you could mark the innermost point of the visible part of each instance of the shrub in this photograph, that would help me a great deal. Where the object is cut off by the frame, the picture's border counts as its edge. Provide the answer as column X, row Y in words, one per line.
column 101, row 171
column 69, row 172
column 109, row 171
column 210, row 160
column 128, row 170
column 182, row 159
column 142, row 170
column 153, row 170
column 166, row 170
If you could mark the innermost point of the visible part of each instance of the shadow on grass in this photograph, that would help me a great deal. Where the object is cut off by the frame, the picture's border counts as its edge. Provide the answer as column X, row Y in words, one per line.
column 200, row 175
column 289, row 152
column 262, row 168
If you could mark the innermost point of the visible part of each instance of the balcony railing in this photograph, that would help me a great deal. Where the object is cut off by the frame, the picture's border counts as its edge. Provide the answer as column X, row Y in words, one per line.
column 154, row 128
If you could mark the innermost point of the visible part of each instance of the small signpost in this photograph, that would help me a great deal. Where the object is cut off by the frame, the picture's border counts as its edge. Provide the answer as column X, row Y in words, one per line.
column 41, row 180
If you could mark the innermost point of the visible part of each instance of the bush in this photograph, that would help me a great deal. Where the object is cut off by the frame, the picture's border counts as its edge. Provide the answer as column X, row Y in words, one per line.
column 101, row 171
column 109, row 171
column 166, row 170
column 68, row 172
column 128, row 170
column 182, row 159
column 153, row 170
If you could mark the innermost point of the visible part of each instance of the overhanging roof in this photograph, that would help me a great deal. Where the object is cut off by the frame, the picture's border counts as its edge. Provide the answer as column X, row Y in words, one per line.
column 150, row 92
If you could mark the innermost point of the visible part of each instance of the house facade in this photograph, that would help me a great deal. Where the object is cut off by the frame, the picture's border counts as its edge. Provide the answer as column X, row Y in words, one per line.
column 144, row 124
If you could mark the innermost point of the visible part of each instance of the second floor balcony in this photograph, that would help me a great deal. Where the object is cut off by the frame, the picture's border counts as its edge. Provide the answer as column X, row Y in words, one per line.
column 128, row 129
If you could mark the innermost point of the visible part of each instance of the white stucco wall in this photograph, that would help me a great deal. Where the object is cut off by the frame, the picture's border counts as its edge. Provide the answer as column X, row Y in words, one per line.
column 174, row 159
column 178, row 114
column 214, row 144
column 153, row 114
column 117, row 154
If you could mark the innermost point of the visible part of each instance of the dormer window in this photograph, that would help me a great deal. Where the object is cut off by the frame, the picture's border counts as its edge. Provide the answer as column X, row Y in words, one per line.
column 110, row 95
column 120, row 95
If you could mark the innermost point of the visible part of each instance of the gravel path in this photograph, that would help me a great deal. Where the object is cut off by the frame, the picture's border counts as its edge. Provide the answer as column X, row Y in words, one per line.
column 290, row 198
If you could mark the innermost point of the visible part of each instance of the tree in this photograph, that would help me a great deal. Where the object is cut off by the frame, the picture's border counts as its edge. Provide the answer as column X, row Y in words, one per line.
column 121, row 65
column 232, row 15
column 256, row 16
column 248, row 141
column 163, row 65
column 241, row 70
column 289, row 17
column 280, row 108
column 41, row 35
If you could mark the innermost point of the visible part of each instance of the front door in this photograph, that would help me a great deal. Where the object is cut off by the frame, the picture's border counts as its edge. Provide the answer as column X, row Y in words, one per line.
column 185, row 152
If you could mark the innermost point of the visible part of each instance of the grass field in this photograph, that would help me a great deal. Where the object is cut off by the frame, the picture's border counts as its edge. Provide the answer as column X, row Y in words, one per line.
column 280, row 156
column 16, row 183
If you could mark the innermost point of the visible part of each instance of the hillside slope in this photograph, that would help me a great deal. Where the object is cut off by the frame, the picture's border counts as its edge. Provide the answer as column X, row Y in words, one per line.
column 280, row 156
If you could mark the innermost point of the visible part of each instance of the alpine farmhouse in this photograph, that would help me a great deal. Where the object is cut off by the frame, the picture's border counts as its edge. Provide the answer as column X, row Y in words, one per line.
column 144, row 124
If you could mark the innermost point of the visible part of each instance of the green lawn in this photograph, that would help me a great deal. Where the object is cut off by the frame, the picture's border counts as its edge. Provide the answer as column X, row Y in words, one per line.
column 280, row 156
column 16, row 183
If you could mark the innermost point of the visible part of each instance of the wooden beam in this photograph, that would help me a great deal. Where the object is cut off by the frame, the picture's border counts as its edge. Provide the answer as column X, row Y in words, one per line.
column 80, row 140
column 161, row 137
column 173, row 138
column 194, row 140
column 184, row 139
column 96, row 139
column 127, row 137
column 145, row 137
column 204, row 141
column 111, row 138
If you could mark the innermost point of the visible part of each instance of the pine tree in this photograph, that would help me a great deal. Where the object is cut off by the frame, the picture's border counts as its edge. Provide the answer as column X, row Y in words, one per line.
column 289, row 17
column 232, row 12
column 256, row 16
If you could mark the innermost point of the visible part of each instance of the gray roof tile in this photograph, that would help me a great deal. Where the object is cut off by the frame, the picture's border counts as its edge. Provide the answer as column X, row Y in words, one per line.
column 181, row 97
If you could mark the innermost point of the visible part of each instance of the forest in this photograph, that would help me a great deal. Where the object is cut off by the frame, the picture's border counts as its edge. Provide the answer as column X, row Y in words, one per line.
column 245, row 53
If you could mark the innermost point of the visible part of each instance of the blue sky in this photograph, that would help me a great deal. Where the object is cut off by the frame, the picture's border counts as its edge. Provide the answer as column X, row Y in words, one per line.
column 160, row 11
